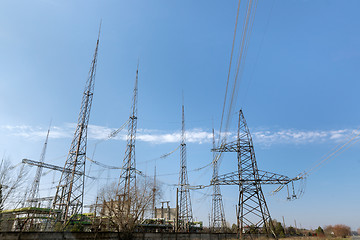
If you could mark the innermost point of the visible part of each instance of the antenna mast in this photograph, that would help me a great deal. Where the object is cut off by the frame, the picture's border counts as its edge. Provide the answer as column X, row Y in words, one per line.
column 127, row 184
column 70, row 190
column 34, row 196
column 185, row 210
column 34, row 191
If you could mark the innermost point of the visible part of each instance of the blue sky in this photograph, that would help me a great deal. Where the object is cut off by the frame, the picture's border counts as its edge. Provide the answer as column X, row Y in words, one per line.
column 299, row 92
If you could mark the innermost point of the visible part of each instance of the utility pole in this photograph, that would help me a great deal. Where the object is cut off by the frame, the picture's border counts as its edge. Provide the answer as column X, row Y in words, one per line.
column 177, row 211
column 253, row 215
column 154, row 195
column 284, row 225
column 185, row 210
column 168, row 210
column 1, row 204
column 218, row 222
column 69, row 195
column 127, row 184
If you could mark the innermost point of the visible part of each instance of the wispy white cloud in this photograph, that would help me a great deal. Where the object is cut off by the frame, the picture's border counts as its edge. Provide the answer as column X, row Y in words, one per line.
column 32, row 132
column 193, row 136
column 264, row 138
column 98, row 132
column 295, row 136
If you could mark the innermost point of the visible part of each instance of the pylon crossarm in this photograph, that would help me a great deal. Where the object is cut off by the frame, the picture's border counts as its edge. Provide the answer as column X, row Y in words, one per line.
column 49, row 166
column 264, row 178
column 235, row 146
column 273, row 178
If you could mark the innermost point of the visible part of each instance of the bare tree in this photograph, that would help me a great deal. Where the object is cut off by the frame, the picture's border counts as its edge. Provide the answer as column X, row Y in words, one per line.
column 338, row 230
column 11, row 181
column 113, row 205
column 341, row 230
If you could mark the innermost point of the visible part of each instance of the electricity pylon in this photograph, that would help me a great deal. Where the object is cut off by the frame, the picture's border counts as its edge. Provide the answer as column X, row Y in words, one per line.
column 34, row 196
column 253, row 215
column 218, row 222
column 127, row 184
column 185, row 210
column 34, row 191
column 70, row 190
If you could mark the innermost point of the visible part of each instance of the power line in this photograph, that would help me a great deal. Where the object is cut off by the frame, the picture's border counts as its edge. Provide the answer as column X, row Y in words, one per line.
column 332, row 155
column 228, row 77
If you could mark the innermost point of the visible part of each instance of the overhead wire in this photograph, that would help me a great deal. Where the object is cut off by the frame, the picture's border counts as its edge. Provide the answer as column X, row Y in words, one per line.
column 103, row 165
column 121, row 168
column 230, row 64
column 15, row 166
column 161, row 157
column 247, row 27
column 243, row 49
column 259, row 51
column 218, row 155
column 192, row 170
column 111, row 135
column 56, row 158
column 240, row 71
column 245, row 38
column 331, row 155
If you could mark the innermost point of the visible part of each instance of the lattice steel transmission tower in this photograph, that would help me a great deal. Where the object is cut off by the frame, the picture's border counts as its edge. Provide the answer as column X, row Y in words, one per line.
column 253, row 215
column 70, row 190
column 127, row 184
column 218, row 222
column 185, row 210
column 34, row 197
column 34, row 191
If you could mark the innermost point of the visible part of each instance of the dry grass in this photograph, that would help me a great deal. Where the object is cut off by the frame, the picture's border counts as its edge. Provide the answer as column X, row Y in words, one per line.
column 302, row 238
column 314, row 238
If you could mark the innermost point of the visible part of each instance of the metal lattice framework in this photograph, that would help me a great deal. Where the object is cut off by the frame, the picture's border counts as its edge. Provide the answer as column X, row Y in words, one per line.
column 50, row 166
column 70, row 190
column 185, row 211
column 34, row 197
column 253, row 214
column 127, row 183
column 218, row 222
column 34, row 191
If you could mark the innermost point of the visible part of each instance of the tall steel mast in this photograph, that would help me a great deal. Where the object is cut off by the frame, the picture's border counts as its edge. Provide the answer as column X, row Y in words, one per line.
column 185, row 210
column 70, row 190
column 127, row 184
column 34, row 191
